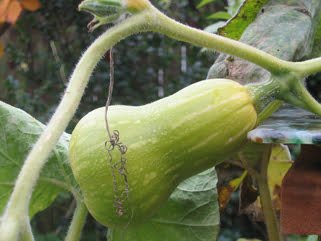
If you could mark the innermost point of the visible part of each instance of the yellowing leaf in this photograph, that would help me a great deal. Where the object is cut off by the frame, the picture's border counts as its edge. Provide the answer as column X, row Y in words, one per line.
column 31, row 5
column 280, row 162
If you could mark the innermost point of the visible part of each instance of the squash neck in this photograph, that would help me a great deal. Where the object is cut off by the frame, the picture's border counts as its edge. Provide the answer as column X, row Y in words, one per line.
column 288, row 88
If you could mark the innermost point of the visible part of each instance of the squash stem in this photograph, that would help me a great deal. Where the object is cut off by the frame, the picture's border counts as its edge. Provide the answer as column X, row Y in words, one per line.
column 270, row 217
column 288, row 88
column 77, row 223
column 263, row 95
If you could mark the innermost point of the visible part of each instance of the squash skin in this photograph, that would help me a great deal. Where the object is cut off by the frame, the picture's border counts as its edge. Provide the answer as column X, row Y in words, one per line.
column 168, row 141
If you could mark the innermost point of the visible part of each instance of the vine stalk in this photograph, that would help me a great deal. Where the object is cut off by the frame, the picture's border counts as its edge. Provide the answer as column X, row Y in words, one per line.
column 18, row 204
column 274, row 65
column 270, row 217
column 257, row 166
column 150, row 19
column 77, row 222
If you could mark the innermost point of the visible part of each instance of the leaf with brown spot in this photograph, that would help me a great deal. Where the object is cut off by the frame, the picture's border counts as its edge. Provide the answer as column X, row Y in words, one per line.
column 225, row 192
column 280, row 163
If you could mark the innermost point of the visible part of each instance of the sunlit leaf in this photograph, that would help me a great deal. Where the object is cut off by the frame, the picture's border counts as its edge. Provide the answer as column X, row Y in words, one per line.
column 220, row 15
column 245, row 15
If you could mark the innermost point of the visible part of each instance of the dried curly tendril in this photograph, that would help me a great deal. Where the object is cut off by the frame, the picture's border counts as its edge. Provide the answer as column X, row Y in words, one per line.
column 118, row 167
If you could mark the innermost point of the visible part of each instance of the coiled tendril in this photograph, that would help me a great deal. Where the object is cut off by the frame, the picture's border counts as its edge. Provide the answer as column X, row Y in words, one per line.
column 117, row 167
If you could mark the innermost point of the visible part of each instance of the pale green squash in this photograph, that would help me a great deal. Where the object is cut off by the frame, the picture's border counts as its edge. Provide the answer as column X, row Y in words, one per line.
column 168, row 141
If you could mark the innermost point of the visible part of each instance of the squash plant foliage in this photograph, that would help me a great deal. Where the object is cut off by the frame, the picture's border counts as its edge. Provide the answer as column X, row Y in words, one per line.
column 189, row 212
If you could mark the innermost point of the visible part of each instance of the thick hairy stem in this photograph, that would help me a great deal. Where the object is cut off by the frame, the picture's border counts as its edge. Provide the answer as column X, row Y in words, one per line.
column 27, row 235
column 19, row 200
column 176, row 30
column 307, row 67
column 77, row 223
column 271, row 221
column 9, row 228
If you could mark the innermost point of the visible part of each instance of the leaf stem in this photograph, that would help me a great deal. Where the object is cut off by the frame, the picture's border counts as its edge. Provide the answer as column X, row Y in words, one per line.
column 77, row 222
column 271, row 221
column 20, row 198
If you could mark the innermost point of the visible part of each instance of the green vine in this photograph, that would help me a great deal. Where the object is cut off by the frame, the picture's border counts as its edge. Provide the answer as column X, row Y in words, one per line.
column 145, row 17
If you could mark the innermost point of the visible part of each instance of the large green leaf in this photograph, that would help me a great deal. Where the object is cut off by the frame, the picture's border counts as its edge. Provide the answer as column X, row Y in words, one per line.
column 190, row 214
column 19, row 131
column 272, row 32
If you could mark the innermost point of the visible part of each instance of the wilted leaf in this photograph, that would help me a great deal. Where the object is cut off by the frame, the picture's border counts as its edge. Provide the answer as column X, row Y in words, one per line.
column 248, row 193
column 225, row 191
column 280, row 163
column 190, row 214
column 19, row 131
